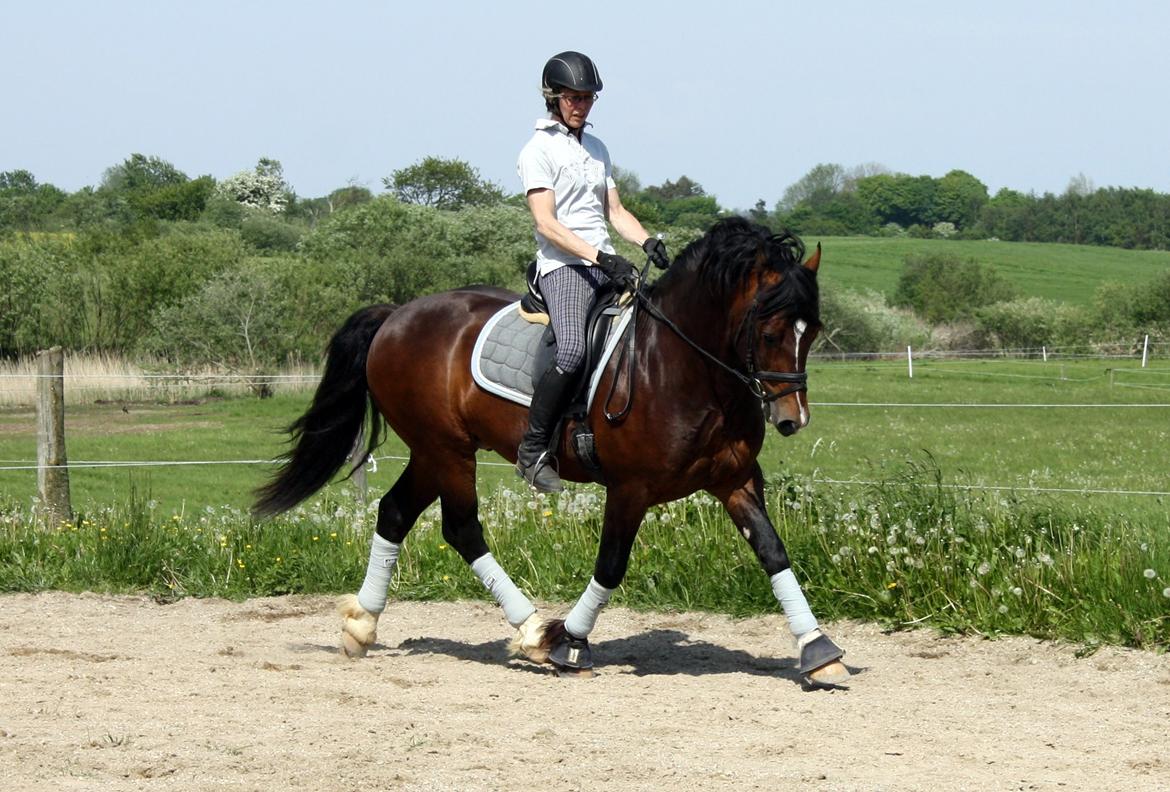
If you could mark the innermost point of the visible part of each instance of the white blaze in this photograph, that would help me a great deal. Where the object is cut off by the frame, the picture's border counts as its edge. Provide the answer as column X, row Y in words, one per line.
column 798, row 330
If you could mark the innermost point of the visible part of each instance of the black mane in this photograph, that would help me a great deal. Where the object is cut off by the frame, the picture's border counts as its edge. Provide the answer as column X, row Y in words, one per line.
column 723, row 258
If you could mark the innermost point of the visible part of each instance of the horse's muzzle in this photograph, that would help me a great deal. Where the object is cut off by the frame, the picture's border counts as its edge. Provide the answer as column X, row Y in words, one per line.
column 787, row 428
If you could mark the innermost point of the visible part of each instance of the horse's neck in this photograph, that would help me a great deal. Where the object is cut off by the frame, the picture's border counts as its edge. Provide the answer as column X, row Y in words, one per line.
column 706, row 325
column 693, row 377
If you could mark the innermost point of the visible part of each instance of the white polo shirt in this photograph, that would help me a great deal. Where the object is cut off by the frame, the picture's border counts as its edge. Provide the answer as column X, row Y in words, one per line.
column 579, row 173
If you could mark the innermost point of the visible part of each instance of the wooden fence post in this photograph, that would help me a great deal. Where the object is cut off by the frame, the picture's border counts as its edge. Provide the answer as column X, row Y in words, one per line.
column 52, row 473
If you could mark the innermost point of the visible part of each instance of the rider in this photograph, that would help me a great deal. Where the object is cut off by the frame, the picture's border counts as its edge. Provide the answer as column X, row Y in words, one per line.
column 568, row 182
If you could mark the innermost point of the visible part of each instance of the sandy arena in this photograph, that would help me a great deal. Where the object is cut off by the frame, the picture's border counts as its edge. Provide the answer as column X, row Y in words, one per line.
column 121, row 693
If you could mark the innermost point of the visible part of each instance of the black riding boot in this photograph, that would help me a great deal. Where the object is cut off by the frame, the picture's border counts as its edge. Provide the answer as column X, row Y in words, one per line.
column 534, row 459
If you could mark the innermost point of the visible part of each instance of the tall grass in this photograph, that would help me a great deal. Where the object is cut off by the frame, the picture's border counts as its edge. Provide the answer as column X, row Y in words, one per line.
column 904, row 552
column 98, row 377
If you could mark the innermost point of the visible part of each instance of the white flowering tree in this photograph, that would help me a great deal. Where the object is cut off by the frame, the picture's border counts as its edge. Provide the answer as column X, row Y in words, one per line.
column 263, row 187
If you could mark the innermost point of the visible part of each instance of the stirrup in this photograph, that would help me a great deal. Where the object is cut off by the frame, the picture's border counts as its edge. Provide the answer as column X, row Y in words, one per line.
column 541, row 474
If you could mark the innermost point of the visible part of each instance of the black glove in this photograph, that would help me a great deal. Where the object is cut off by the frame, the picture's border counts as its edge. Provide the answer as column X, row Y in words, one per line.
column 656, row 252
column 619, row 270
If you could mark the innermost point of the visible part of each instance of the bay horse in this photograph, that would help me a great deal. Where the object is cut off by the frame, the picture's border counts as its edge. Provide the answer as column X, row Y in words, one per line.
column 722, row 339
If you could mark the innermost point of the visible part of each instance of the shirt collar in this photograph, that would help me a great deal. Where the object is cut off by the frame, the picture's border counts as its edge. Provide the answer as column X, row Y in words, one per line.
column 550, row 122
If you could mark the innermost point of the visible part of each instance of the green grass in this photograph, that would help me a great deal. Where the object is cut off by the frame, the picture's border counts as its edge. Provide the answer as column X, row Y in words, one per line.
column 1075, row 447
column 1053, row 563
column 903, row 553
column 1067, row 273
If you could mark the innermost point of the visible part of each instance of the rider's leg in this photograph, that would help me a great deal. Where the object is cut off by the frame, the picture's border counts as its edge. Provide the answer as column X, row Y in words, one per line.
column 568, row 291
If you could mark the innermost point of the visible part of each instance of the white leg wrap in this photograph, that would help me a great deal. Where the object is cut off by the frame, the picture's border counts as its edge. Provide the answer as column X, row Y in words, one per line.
column 517, row 607
column 383, row 558
column 583, row 616
column 796, row 609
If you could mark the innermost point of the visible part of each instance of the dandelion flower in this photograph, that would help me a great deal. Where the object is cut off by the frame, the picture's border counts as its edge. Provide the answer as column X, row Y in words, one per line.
column 1003, row 609
column 1150, row 574
column 1166, row 592
column 983, row 569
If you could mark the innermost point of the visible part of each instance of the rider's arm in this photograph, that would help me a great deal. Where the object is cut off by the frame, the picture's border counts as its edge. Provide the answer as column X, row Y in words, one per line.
column 622, row 221
column 542, row 204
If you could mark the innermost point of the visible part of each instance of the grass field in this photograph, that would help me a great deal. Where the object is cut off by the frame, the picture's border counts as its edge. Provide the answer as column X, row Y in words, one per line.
column 1058, row 440
column 871, row 500
column 1068, row 273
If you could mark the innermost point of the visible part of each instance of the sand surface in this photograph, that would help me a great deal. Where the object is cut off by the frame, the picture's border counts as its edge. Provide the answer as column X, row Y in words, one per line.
column 122, row 693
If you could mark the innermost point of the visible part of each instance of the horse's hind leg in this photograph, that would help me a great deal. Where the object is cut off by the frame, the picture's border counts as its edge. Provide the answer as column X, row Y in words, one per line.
column 397, row 513
column 566, row 643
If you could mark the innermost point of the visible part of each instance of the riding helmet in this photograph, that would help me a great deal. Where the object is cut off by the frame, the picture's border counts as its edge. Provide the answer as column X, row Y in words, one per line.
column 570, row 70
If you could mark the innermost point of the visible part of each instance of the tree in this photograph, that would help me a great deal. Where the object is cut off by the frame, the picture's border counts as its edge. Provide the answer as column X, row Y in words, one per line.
column 899, row 198
column 815, row 189
column 263, row 187
column 24, row 204
column 685, row 187
column 959, row 198
column 442, row 184
column 627, row 182
column 140, row 173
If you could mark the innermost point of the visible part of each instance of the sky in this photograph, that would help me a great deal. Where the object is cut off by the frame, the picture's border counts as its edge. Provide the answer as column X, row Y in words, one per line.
column 742, row 97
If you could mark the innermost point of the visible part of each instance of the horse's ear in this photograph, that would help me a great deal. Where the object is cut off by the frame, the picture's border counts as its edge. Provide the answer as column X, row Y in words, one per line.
column 814, row 260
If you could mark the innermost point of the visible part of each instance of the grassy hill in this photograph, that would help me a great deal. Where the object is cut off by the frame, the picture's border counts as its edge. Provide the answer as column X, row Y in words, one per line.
column 1068, row 273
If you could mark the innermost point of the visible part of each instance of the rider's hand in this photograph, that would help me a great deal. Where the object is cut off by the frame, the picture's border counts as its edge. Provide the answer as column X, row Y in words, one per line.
column 656, row 252
column 619, row 270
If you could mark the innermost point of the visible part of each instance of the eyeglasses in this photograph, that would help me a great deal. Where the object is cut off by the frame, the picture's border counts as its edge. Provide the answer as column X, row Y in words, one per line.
column 575, row 99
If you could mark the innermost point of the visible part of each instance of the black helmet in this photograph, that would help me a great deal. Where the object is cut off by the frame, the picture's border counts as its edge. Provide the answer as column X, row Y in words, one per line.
column 570, row 70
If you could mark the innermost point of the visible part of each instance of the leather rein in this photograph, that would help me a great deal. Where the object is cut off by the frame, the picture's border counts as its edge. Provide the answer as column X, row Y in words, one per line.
column 754, row 378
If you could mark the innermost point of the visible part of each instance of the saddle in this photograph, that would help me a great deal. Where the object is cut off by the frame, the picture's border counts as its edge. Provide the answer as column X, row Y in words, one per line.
column 518, row 343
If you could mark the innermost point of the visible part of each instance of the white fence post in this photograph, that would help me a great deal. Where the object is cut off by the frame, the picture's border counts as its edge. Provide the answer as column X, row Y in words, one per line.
column 1044, row 352
column 1145, row 350
column 910, row 361
column 357, row 463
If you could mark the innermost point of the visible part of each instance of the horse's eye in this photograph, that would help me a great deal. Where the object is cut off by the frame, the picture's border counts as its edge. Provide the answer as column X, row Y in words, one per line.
column 771, row 339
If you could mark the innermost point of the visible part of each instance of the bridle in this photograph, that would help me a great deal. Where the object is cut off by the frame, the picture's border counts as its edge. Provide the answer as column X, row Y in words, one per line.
column 753, row 378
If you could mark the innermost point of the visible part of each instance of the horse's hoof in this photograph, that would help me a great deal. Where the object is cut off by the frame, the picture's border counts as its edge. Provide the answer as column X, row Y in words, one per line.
column 829, row 675
column 529, row 640
column 571, row 654
column 359, row 627
column 820, row 660
column 351, row 648
column 574, row 673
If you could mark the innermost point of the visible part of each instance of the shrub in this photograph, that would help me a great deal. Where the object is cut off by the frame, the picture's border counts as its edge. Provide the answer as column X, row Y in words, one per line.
column 1031, row 323
column 942, row 288
column 266, row 233
column 864, row 323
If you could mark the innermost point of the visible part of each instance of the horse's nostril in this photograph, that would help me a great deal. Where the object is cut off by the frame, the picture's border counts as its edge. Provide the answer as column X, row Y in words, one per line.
column 787, row 428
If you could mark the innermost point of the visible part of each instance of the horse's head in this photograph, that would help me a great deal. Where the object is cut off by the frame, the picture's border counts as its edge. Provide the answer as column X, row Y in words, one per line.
column 780, row 328
column 769, row 295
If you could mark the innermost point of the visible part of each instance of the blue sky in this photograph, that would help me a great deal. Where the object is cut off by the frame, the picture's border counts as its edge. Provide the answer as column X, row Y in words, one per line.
column 743, row 97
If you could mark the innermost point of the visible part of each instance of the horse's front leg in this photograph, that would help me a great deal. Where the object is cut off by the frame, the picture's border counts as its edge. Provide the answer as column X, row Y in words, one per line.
column 820, row 658
column 565, row 643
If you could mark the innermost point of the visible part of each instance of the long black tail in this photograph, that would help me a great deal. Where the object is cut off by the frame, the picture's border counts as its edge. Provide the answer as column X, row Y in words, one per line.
column 323, row 437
